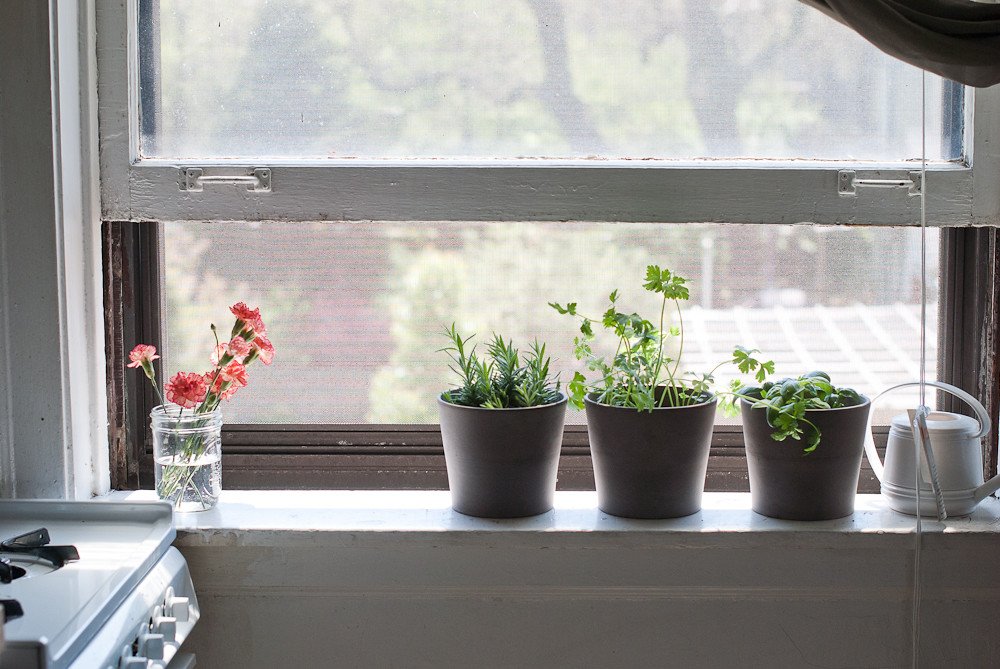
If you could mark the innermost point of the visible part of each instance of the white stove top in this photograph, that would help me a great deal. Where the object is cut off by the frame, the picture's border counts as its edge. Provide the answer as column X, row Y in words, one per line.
column 118, row 543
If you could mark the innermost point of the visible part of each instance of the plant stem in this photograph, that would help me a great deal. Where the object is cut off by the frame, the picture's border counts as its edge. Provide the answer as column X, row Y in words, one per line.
column 224, row 359
column 659, row 353
column 680, row 349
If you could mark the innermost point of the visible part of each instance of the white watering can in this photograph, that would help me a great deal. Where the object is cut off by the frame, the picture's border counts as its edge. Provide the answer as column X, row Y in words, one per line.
column 951, row 462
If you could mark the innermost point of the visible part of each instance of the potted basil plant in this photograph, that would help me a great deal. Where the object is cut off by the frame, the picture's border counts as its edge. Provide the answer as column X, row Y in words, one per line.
column 649, row 422
column 502, row 429
column 818, row 480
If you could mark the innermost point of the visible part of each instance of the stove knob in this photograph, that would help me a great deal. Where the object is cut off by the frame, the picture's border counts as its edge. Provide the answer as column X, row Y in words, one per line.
column 151, row 646
column 178, row 607
column 166, row 626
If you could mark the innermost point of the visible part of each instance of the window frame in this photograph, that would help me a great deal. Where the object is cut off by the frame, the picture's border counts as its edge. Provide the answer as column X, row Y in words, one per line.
column 136, row 188
column 137, row 192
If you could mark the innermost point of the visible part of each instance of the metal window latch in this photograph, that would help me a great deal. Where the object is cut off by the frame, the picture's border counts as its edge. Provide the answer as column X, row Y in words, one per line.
column 848, row 181
column 255, row 179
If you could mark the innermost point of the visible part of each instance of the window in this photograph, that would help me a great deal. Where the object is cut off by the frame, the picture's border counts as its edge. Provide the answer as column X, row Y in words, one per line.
column 370, row 171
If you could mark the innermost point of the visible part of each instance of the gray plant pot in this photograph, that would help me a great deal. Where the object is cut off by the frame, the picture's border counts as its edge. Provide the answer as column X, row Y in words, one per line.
column 650, row 464
column 787, row 483
column 502, row 463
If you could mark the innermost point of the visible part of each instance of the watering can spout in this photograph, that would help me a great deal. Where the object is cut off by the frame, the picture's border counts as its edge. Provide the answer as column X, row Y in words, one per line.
column 987, row 489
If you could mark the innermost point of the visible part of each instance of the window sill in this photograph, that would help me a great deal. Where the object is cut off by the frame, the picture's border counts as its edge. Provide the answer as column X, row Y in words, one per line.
column 260, row 517
column 286, row 577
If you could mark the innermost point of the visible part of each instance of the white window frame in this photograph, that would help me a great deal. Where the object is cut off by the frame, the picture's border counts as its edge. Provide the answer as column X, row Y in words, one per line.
column 961, row 193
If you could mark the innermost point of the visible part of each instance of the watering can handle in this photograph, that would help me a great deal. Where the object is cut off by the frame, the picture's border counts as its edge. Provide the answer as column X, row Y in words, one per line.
column 981, row 414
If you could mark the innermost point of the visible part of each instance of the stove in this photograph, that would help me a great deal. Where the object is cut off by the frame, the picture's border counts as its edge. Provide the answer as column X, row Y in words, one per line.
column 92, row 585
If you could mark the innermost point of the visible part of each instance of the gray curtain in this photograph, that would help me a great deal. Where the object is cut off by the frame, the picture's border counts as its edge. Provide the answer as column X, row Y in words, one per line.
column 957, row 39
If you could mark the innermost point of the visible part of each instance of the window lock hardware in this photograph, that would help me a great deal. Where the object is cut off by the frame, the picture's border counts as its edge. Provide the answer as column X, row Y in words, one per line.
column 255, row 179
column 848, row 181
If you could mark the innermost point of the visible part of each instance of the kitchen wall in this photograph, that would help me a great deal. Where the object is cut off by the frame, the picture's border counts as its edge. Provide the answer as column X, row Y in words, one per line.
column 6, row 446
column 52, row 387
column 591, row 599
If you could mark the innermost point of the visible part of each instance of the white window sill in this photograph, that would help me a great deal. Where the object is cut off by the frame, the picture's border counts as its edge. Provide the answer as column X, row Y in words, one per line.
column 263, row 515
column 299, row 578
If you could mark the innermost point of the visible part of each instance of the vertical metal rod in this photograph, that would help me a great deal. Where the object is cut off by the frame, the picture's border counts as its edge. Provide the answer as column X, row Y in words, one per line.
column 915, row 632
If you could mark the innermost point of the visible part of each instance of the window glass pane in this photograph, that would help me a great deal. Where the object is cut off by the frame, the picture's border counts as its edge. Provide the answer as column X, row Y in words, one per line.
column 486, row 79
column 356, row 310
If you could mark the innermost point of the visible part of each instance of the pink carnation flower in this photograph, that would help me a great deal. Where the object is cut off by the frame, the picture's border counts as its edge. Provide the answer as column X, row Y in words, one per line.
column 249, row 317
column 217, row 354
column 186, row 389
column 142, row 353
column 230, row 378
column 236, row 348
column 234, row 372
column 264, row 348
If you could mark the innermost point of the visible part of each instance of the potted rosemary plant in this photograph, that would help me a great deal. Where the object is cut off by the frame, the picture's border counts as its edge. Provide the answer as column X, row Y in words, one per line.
column 650, row 422
column 819, row 480
column 501, row 429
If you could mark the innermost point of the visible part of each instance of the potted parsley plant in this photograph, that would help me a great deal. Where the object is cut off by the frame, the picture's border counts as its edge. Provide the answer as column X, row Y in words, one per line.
column 818, row 480
column 649, row 422
column 502, row 429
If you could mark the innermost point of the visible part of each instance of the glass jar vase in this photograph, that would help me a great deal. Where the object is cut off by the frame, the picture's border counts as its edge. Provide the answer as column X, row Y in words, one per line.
column 187, row 456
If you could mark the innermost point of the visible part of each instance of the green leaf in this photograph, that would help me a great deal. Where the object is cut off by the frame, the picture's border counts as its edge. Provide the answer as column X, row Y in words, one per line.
column 581, row 348
column 577, row 390
column 662, row 281
column 765, row 369
column 501, row 379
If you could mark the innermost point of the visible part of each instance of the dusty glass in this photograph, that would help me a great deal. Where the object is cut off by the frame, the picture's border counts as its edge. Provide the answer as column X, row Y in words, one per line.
column 527, row 79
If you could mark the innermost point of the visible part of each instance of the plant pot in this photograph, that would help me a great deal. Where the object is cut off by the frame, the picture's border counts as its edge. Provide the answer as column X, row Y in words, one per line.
column 502, row 463
column 787, row 483
column 650, row 464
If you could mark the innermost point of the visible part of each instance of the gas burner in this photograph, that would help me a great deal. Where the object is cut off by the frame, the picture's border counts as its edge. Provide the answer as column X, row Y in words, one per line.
column 11, row 609
column 14, row 566
column 35, row 543
column 9, row 571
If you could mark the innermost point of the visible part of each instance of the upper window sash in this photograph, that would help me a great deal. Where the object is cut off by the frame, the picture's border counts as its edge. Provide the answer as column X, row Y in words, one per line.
column 966, row 192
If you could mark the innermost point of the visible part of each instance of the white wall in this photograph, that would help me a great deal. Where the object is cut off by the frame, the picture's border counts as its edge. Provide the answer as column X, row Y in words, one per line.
column 31, row 264
column 287, row 583
column 6, row 446
column 53, row 392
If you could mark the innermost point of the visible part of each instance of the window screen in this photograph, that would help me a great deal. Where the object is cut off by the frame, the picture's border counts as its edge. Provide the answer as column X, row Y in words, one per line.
column 509, row 79
column 357, row 310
